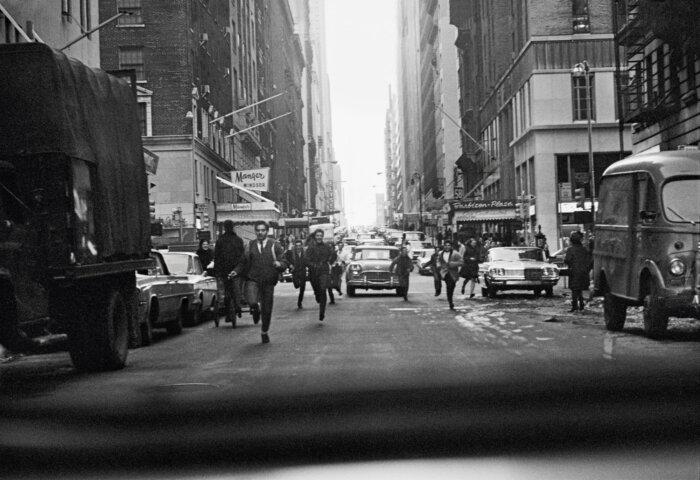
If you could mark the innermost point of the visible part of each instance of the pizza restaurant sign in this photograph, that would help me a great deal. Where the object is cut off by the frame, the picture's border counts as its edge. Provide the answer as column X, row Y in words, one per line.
column 485, row 205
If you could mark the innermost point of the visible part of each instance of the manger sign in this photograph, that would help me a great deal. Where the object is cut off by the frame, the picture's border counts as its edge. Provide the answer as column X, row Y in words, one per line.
column 253, row 179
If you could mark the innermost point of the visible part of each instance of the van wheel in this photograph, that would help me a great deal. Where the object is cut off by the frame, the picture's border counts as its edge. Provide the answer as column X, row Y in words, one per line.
column 655, row 316
column 614, row 311
column 175, row 327
column 99, row 335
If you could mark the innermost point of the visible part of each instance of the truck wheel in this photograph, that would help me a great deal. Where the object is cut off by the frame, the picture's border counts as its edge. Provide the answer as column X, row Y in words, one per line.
column 175, row 327
column 99, row 337
column 614, row 311
column 655, row 316
column 351, row 291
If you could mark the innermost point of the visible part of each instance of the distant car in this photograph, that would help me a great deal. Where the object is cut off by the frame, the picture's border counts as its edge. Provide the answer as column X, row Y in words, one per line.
column 204, row 305
column 417, row 248
column 372, row 241
column 422, row 262
column 164, row 299
column 369, row 269
column 518, row 268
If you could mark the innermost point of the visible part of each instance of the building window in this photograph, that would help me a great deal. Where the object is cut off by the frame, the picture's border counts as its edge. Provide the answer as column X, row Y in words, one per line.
column 132, row 58
column 580, row 96
column 580, row 16
column 143, row 119
column 133, row 7
column 85, row 14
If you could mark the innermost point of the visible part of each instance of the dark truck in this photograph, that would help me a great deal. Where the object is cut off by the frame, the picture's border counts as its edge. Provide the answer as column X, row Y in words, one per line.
column 74, row 213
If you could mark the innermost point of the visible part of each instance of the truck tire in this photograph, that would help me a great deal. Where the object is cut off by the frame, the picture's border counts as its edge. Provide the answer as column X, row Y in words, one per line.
column 614, row 312
column 655, row 316
column 98, row 336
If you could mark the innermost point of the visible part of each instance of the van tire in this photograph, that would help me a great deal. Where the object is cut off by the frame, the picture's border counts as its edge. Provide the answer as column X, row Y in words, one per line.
column 655, row 316
column 614, row 312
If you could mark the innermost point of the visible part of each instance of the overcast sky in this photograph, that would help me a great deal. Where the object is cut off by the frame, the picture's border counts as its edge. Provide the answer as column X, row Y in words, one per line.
column 361, row 56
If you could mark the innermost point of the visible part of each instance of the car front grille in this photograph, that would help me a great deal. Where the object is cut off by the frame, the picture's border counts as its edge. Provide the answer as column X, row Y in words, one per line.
column 377, row 276
column 533, row 273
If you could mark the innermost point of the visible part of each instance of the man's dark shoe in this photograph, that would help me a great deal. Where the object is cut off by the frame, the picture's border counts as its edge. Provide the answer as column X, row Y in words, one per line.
column 239, row 312
column 299, row 305
column 332, row 302
column 437, row 294
column 256, row 314
column 265, row 338
column 452, row 306
column 321, row 316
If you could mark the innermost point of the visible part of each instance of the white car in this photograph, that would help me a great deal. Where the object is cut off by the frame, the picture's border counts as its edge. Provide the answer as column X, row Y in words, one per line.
column 518, row 268
column 204, row 305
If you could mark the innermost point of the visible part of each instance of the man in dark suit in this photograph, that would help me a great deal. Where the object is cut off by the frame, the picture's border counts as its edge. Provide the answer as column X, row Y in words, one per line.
column 296, row 258
column 264, row 260
column 228, row 253
column 449, row 263
column 319, row 256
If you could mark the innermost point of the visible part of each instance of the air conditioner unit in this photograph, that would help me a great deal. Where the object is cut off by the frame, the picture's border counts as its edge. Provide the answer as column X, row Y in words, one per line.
column 203, row 39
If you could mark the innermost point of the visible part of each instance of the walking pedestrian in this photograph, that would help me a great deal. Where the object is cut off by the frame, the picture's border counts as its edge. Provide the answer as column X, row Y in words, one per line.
column 449, row 263
column 403, row 266
column 319, row 256
column 578, row 259
column 228, row 255
column 439, row 238
column 338, row 268
column 471, row 253
column 296, row 258
column 433, row 263
column 264, row 259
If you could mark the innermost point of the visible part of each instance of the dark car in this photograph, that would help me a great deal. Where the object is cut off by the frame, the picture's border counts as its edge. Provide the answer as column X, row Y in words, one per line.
column 369, row 268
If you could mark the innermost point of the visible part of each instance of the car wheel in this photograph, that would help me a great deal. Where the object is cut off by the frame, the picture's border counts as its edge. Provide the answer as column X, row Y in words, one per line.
column 194, row 316
column 548, row 291
column 655, row 316
column 175, row 327
column 491, row 290
column 614, row 312
column 146, row 333
column 484, row 292
column 351, row 291
column 537, row 292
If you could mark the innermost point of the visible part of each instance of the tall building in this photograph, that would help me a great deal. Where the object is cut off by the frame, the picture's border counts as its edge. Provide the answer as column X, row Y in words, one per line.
column 525, row 110
column 659, row 97
column 429, row 109
column 60, row 25
column 392, row 187
column 209, row 75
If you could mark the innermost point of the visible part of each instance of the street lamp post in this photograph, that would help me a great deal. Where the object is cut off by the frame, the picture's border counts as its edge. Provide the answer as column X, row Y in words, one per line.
column 584, row 69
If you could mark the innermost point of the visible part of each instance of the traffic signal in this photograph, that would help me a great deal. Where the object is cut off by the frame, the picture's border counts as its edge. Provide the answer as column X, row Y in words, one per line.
column 152, row 210
column 580, row 197
column 205, row 221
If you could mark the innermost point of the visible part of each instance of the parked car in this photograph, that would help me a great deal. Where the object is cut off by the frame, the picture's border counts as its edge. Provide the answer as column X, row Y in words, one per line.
column 518, row 268
column 417, row 248
column 422, row 262
column 164, row 299
column 369, row 269
column 204, row 306
column 372, row 241
column 646, row 239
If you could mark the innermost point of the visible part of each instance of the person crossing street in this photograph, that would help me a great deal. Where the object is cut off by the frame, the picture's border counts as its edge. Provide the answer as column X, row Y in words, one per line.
column 296, row 258
column 319, row 256
column 403, row 265
column 449, row 263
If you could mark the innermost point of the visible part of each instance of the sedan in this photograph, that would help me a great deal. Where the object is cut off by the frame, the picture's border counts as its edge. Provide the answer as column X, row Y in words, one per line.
column 369, row 269
column 164, row 299
column 205, row 304
column 518, row 268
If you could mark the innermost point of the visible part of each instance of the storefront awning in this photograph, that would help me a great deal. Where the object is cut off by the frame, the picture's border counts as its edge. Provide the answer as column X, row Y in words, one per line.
column 484, row 215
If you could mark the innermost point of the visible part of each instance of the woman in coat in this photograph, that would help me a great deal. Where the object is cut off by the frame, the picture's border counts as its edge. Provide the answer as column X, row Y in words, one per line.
column 471, row 253
column 578, row 259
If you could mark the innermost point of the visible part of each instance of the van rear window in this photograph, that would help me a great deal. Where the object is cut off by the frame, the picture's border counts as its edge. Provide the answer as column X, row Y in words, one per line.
column 681, row 200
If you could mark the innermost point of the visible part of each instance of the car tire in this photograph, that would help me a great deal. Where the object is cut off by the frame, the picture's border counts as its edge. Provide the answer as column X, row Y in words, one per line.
column 175, row 327
column 146, row 333
column 194, row 316
column 655, row 316
column 614, row 312
column 548, row 291
column 351, row 291
column 484, row 292
column 491, row 290
column 537, row 292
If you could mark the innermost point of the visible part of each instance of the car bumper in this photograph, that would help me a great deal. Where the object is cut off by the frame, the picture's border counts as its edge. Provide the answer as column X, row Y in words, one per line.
column 361, row 281
column 521, row 283
column 682, row 302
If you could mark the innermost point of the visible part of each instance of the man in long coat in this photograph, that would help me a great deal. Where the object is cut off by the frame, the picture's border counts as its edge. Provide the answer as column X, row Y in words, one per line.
column 319, row 257
column 296, row 258
column 403, row 266
column 449, row 263
column 578, row 259
column 228, row 254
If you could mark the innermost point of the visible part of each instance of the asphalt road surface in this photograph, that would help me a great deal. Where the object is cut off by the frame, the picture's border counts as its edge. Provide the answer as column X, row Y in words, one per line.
column 374, row 340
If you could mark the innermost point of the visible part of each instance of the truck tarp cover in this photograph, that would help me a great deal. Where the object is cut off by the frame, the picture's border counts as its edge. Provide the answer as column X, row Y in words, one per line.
column 50, row 103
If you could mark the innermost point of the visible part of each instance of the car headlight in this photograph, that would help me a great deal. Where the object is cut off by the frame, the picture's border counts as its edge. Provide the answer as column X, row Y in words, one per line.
column 497, row 271
column 355, row 268
column 677, row 267
column 550, row 272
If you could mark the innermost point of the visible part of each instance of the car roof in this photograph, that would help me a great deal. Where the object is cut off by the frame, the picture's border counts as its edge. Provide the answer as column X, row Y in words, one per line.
column 375, row 247
column 659, row 164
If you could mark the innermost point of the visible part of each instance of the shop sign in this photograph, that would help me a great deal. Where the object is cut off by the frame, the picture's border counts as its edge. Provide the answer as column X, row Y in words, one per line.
column 485, row 205
column 565, row 192
column 484, row 215
column 257, row 179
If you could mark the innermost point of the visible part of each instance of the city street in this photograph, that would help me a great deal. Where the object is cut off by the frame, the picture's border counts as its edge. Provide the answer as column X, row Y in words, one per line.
column 369, row 342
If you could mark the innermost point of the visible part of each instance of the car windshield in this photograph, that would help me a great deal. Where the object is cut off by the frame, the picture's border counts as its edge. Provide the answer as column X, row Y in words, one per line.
column 516, row 254
column 177, row 264
column 681, row 200
column 374, row 254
